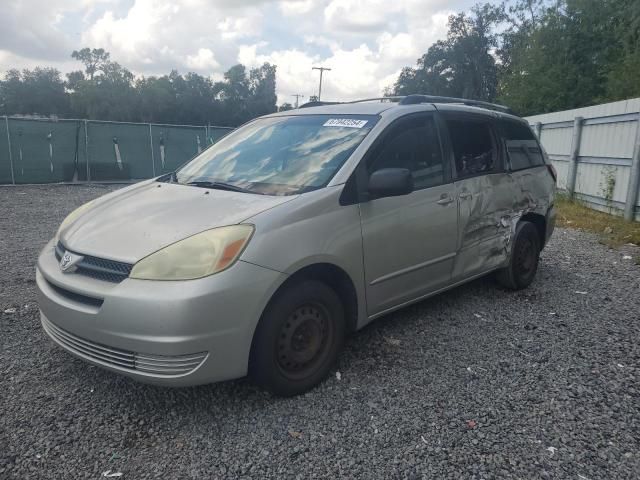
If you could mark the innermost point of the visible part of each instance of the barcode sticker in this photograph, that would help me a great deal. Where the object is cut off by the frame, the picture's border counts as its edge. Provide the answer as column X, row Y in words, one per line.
column 345, row 122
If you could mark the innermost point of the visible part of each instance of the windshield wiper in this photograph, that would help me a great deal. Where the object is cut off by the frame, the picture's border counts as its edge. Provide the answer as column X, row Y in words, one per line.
column 219, row 186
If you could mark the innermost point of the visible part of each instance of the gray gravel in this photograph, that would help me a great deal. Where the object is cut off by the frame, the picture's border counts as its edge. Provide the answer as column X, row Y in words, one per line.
column 475, row 383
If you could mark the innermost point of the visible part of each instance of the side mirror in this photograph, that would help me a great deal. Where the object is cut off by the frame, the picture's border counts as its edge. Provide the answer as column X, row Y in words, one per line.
column 390, row 182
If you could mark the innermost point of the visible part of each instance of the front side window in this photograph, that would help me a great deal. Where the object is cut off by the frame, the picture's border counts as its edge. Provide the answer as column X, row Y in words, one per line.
column 473, row 147
column 412, row 143
column 280, row 155
column 522, row 147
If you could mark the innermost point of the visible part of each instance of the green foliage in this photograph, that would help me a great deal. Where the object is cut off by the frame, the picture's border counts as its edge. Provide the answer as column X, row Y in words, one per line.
column 93, row 60
column 536, row 56
column 462, row 65
column 40, row 91
column 106, row 90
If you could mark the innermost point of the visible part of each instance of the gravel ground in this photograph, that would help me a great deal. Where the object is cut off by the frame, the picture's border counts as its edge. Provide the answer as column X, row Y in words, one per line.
column 475, row 383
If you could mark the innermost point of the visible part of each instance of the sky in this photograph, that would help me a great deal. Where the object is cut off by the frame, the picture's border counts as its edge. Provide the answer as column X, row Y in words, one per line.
column 365, row 43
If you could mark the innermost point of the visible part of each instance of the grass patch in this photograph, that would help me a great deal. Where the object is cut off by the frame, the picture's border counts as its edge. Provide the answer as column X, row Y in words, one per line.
column 613, row 230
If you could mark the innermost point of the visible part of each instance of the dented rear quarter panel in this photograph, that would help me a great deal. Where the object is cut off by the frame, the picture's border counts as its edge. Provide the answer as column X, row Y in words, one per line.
column 487, row 219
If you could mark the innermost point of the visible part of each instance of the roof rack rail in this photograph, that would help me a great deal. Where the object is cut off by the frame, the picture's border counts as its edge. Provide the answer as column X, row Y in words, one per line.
column 375, row 99
column 317, row 104
column 415, row 99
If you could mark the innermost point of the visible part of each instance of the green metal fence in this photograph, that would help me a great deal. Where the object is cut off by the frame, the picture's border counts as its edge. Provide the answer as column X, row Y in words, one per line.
column 51, row 151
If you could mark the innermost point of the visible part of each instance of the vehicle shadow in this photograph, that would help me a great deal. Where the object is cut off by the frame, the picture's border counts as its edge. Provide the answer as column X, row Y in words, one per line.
column 433, row 325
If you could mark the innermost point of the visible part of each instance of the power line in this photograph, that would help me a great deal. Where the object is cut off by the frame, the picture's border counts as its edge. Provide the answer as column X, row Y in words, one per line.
column 322, row 69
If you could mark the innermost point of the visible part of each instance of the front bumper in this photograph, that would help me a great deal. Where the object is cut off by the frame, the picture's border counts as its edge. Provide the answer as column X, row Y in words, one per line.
column 169, row 333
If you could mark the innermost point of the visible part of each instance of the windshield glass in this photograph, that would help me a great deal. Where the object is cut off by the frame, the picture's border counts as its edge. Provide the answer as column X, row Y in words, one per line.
column 280, row 155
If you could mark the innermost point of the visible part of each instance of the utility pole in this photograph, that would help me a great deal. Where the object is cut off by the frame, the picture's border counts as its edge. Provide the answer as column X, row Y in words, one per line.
column 298, row 96
column 322, row 69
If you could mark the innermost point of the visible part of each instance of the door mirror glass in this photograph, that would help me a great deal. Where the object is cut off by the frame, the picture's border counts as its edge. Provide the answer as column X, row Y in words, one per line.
column 390, row 182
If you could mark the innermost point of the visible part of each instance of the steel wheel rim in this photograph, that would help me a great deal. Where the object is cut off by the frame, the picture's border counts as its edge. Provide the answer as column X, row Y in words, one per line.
column 525, row 257
column 303, row 340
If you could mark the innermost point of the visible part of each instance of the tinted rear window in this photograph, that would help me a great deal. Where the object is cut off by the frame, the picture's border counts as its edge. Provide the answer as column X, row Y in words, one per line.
column 522, row 146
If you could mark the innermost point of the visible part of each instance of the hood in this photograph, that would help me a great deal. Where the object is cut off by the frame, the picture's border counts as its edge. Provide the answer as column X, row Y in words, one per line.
column 134, row 223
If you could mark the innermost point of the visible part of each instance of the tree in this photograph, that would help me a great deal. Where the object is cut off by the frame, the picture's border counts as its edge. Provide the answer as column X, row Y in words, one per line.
column 74, row 79
column 262, row 90
column 232, row 93
column 286, row 106
column 40, row 91
column 93, row 59
column 156, row 99
column 108, row 96
column 105, row 90
column 623, row 77
column 570, row 53
column 462, row 65
column 194, row 98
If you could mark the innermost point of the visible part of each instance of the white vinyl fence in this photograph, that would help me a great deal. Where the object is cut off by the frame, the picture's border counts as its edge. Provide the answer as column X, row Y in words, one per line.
column 596, row 151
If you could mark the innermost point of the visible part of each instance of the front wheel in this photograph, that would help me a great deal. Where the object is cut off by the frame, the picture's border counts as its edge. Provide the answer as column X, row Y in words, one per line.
column 525, row 253
column 298, row 338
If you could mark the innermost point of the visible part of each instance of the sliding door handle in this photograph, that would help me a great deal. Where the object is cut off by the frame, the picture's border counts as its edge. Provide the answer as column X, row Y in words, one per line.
column 445, row 199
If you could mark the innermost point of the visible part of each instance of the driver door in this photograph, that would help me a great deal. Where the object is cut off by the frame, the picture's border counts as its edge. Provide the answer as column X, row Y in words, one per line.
column 409, row 241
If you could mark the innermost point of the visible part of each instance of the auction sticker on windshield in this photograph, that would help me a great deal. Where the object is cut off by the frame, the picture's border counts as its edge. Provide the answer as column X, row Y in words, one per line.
column 345, row 122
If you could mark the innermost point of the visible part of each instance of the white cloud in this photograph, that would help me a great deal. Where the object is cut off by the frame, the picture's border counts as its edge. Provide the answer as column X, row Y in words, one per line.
column 356, row 15
column 295, row 7
column 235, row 28
column 398, row 47
column 293, row 72
column 203, row 60
column 361, row 71
column 365, row 42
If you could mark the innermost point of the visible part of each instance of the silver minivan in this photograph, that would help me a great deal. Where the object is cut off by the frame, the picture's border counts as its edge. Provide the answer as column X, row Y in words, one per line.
column 263, row 252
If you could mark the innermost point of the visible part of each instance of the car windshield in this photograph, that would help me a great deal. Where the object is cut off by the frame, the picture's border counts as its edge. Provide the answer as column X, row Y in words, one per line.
column 279, row 155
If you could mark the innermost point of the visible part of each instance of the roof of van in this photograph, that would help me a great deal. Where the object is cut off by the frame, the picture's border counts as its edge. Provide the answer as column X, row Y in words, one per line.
column 376, row 106
column 372, row 108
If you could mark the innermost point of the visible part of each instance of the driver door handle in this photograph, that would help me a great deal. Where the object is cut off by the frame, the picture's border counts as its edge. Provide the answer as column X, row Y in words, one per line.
column 445, row 199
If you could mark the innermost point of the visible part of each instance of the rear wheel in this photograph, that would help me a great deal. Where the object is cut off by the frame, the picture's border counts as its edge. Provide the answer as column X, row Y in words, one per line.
column 525, row 254
column 298, row 338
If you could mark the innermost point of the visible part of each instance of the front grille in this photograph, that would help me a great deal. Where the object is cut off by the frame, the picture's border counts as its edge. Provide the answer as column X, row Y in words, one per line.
column 100, row 268
column 75, row 297
column 156, row 365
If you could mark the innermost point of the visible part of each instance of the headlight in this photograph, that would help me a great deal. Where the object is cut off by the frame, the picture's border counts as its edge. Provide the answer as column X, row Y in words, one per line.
column 71, row 217
column 198, row 256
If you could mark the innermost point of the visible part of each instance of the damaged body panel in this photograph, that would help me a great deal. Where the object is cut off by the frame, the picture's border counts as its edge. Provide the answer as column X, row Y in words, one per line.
column 486, row 207
column 490, row 207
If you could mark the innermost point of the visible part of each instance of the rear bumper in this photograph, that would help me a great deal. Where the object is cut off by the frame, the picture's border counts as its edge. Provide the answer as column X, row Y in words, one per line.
column 167, row 333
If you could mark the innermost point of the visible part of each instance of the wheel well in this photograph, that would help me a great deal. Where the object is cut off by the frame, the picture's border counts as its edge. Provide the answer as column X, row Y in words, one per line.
column 541, row 225
column 336, row 278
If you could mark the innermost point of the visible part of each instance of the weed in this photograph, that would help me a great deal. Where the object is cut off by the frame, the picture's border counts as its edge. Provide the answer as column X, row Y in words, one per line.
column 613, row 230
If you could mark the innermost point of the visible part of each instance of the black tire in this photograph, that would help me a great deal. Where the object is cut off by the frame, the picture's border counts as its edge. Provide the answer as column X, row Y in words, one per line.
column 525, row 254
column 298, row 338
